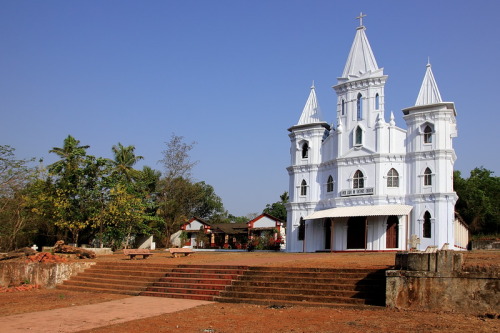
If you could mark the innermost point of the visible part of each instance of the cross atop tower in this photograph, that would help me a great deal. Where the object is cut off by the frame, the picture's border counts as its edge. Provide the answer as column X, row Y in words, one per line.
column 360, row 18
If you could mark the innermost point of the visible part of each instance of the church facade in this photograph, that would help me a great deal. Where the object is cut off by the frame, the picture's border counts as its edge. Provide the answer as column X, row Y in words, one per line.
column 365, row 183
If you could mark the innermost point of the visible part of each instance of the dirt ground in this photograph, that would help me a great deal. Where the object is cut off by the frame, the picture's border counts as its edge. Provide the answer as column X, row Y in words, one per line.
column 220, row 317
column 473, row 260
column 344, row 260
column 228, row 318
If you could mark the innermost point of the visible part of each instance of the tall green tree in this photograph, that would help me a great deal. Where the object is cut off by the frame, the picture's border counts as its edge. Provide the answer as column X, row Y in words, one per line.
column 16, row 227
column 479, row 200
column 124, row 161
column 179, row 198
column 278, row 209
column 14, row 173
column 149, row 179
column 208, row 204
column 77, row 190
column 71, row 156
column 176, row 160
column 123, row 215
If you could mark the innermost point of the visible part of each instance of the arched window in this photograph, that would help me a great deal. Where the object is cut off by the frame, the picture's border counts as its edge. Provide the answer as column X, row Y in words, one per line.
column 359, row 106
column 305, row 150
column 358, row 181
column 343, row 107
column 427, row 134
column 358, row 140
column 427, row 177
column 303, row 188
column 302, row 229
column 427, row 225
column 377, row 102
column 392, row 178
column 329, row 184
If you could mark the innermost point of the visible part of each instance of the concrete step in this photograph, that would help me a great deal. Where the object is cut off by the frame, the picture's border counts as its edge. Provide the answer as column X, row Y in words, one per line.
column 220, row 271
column 112, row 281
column 93, row 284
column 298, row 292
column 191, row 285
column 98, row 290
column 124, row 272
column 202, row 276
column 111, row 275
column 316, row 269
column 186, row 291
column 214, row 266
column 171, row 295
column 188, row 280
column 302, row 285
column 272, row 302
column 307, row 275
column 298, row 298
column 133, row 266
column 299, row 279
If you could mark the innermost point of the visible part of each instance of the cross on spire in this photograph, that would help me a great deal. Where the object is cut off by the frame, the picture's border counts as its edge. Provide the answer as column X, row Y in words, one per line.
column 360, row 18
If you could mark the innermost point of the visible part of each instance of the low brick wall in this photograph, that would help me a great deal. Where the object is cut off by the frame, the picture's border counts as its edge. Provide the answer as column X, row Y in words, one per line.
column 435, row 281
column 47, row 275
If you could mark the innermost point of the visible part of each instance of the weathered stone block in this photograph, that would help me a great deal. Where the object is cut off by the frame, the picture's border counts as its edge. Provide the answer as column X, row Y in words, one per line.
column 449, row 291
column 440, row 261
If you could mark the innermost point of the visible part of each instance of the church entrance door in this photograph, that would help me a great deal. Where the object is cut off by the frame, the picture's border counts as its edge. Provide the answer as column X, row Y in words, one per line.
column 391, row 234
column 356, row 232
column 327, row 224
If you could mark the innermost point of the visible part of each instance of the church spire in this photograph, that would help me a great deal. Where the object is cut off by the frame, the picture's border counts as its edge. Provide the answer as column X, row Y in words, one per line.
column 361, row 59
column 429, row 92
column 311, row 113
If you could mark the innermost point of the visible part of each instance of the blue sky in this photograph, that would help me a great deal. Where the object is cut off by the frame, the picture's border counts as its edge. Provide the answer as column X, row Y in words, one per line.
column 232, row 76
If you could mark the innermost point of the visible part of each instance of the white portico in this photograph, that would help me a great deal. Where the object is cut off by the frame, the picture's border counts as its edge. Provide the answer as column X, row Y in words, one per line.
column 366, row 184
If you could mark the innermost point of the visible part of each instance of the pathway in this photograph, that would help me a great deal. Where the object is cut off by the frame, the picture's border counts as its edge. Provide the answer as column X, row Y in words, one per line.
column 85, row 317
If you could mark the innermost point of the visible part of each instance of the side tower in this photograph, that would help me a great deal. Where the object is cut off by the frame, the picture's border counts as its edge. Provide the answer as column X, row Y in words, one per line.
column 305, row 151
column 430, row 158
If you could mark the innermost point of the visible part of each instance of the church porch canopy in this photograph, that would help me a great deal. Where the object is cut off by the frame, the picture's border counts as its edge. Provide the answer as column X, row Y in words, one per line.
column 371, row 210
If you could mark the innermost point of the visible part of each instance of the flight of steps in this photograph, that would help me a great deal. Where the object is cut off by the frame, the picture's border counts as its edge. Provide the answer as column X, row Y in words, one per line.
column 201, row 282
column 307, row 287
column 116, row 277
column 285, row 286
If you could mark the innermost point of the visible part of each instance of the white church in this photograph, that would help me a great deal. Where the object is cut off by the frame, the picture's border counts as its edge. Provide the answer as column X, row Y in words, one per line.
column 365, row 183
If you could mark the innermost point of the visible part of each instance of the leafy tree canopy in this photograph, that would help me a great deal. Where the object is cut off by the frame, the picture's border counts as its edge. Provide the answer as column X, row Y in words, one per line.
column 278, row 209
column 479, row 200
column 15, row 225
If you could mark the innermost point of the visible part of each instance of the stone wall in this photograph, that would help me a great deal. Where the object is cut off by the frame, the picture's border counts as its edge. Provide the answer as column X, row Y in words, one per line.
column 435, row 281
column 485, row 244
column 47, row 275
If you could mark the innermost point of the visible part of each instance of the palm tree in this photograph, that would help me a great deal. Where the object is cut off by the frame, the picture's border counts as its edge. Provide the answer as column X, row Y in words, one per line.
column 150, row 178
column 71, row 154
column 284, row 197
column 73, row 205
column 124, row 160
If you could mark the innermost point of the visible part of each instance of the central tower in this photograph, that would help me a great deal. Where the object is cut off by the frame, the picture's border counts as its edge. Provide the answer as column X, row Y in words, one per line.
column 360, row 94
